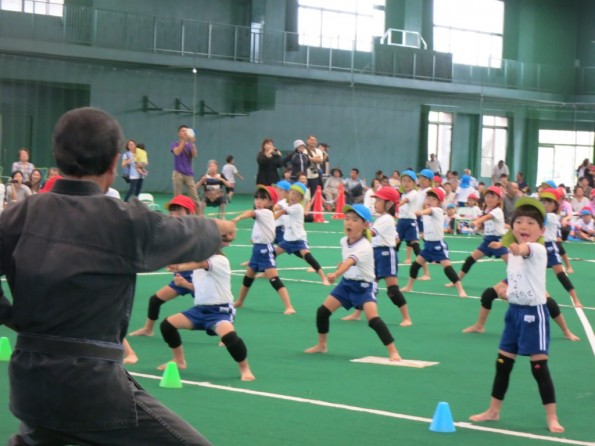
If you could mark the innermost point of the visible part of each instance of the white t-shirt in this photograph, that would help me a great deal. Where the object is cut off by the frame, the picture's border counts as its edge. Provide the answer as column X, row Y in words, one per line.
column 461, row 194
column 213, row 286
column 526, row 277
column 434, row 225
column 421, row 198
column 315, row 153
column 370, row 201
column 263, row 230
column 384, row 231
column 580, row 224
column 229, row 171
column 294, row 223
column 408, row 209
column 552, row 226
column 495, row 225
column 281, row 220
column 363, row 254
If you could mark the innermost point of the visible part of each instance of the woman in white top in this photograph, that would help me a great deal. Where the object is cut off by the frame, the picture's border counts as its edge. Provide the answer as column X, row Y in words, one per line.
column 578, row 200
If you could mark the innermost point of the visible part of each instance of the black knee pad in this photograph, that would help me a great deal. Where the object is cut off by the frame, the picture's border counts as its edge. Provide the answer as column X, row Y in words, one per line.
column 235, row 346
column 416, row 249
column 561, row 249
column 170, row 334
column 395, row 295
column 488, row 297
column 312, row 261
column 541, row 373
column 504, row 366
column 451, row 274
column 565, row 281
column 323, row 316
column 414, row 271
column 247, row 282
column 398, row 246
column 276, row 283
column 309, row 218
column 381, row 330
column 553, row 308
column 154, row 306
column 469, row 261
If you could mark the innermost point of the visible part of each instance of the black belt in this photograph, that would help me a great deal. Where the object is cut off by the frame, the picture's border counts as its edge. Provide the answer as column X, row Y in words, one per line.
column 79, row 348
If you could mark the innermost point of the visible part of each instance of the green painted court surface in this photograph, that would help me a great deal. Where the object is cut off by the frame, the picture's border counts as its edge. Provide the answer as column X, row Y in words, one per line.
column 326, row 399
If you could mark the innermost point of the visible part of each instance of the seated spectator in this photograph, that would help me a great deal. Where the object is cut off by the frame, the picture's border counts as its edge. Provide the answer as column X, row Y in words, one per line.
column 16, row 190
column 463, row 191
column 354, row 188
column 469, row 212
column 520, row 180
column 35, row 181
column 450, row 218
column 395, row 179
column 449, row 195
column 578, row 200
column 23, row 165
column 331, row 188
column 584, row 228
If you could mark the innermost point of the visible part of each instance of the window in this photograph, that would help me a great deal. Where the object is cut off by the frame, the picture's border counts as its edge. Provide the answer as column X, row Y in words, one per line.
column 439, row 137
column 560, row 153
column 494, row 139
column 339, row 23
column 473, row 37
column 44, row 7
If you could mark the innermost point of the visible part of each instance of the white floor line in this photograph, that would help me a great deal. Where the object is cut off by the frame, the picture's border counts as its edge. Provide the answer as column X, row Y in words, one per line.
column 463, row 425
column 587, row 326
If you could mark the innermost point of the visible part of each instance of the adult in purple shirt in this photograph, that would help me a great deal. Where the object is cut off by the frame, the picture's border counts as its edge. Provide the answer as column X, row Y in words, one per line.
column 184, row 150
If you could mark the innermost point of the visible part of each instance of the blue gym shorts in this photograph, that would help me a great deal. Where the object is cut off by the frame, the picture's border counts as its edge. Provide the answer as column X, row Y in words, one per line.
column 294, row 246
column 434, row 252
column 354, row 293
column 263, row 257
column 553, row 255
column 526, row 330
column 491, row 252
column 206, row 317
column 181, row 291
column 407, row 229
column 386, row 263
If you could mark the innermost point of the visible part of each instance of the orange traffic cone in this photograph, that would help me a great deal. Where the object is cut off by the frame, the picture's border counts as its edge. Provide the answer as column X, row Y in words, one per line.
column 340, row 203
column 317, row 206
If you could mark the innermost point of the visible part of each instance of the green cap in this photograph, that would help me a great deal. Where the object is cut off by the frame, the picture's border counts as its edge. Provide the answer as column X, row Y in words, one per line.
column 508, row 238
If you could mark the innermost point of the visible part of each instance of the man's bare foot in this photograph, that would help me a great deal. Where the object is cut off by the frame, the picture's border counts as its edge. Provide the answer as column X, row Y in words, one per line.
column 488, row 415
column 245, row 263
column 131, row 359
column 475, row 328
column 553, row 425
column 571, row 336
column 449, row 285
column 181, row 365
column 424, row 277
column 406, row 323
column 352, row 317
column 406, row 289
column 289, row 311
column 316, row 349
column 238, row 304
column 142, row 332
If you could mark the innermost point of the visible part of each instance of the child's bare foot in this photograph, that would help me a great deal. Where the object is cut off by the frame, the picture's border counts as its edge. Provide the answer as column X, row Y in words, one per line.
column 131, row 359
column 553, row 425
column 406, row 323
column 142, row 332
column 246, row 373
column 569, row 270
column 407, row 262
column 475, row 328
column 318, row 348
column 449, row 285
column 395, row 356
column 424, row 277
column 462, row 293
column 310, row 270
column 289, row 311
column 238, row 304
column 406, row 289
column 245, row 263
column 488, row 415
column 571, row 336
column 352, row 317
column 181, row 365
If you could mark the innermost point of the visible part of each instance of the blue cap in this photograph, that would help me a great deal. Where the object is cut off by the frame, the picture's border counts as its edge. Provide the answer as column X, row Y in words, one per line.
column 450, row 206
column 285, row 185
column 410, row 173
column 299, row 187
column 465, row 182
column 585, row 212
column 360, row 210
column 427, row 173
column 550, row 183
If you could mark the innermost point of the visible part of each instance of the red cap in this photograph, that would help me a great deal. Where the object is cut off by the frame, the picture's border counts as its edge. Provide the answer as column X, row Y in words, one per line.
column 184, row 201
column 439, row 192
column 495, row 190
column 49, row 184
column 550, row 193
column 473, row 197
column 437, row 179
column 271, row 191
column 387, row 193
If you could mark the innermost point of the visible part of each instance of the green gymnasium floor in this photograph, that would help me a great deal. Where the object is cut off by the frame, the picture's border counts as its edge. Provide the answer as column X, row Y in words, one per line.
column 326, row 399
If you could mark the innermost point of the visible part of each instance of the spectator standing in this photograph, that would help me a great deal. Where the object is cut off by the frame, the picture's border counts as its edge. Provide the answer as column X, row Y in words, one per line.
column 23, row 165
column 299, row 160
column 316, row 158
column 509, row 200
column 184, row 151
column 269, row 161
column 498, row 170
column 434, row 165
column 141, row 158
column 129, row 166
column 325, row 165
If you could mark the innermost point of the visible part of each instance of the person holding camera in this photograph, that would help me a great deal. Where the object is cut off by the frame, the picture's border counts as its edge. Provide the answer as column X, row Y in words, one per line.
column 16, row 190
column 269, row 161
column 316, row 158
